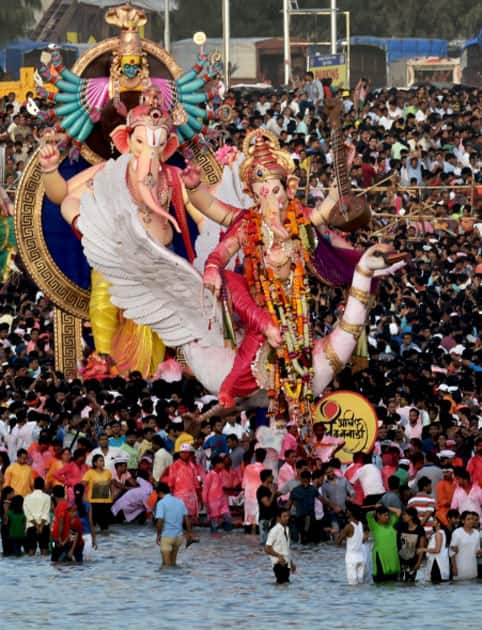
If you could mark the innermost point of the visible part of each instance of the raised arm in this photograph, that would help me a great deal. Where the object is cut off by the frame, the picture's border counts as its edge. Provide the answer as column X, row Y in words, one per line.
column 219, row 258
column 64, row 193
column 200, row 197
column 332, row 353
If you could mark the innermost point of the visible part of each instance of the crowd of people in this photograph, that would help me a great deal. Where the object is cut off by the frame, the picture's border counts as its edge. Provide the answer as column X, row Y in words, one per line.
column 78, row 455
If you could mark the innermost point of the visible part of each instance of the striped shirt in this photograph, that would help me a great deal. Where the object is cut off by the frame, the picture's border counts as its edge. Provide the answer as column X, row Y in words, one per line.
column 425, row 506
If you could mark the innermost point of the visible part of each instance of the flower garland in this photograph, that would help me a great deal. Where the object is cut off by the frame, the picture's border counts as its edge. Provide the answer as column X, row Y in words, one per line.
column 287, row 301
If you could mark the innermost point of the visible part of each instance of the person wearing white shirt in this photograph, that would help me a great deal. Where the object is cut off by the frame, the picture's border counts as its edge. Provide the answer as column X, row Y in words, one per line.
column 232, row 427
column 109, row 453
column 278, row 548
column 22, row 435
column 162, row 458
column 275, row 125
column 371, row 481
column 36, row 507
column 394, row 112
column 262, row 106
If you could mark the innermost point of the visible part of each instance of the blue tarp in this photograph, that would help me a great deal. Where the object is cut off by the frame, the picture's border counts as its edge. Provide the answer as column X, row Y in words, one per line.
column 475, row 41
column 12, row 54
column 407, row 48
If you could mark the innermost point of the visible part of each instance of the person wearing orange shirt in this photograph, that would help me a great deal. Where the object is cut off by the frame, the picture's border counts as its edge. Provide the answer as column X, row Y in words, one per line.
column 19, row 475
column 444, row 491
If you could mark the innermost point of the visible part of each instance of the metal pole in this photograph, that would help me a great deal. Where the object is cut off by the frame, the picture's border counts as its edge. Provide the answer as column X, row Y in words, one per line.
column 167, row 27
column 226, row 38
column 286, row 41
column 348, row 51
column 333, row 26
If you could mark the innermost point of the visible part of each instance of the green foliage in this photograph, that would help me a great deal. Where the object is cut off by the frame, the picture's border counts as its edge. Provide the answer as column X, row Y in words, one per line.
column 445, row 19
column 16, row 17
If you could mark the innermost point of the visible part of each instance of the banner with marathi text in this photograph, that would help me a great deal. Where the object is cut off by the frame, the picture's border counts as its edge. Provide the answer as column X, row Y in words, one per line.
column 329, row 67
column 352, row 418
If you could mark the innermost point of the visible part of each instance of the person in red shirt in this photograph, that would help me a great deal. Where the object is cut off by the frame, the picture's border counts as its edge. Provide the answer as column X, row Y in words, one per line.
column 60, row 531
column 368, row 172
column 474, row 465
column 75, row 546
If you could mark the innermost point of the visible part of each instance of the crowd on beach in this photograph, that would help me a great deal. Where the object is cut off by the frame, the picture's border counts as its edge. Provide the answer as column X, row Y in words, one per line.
column 78, row 455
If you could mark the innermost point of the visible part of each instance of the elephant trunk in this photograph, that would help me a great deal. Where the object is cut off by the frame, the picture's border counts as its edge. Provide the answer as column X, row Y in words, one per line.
column 147, row 174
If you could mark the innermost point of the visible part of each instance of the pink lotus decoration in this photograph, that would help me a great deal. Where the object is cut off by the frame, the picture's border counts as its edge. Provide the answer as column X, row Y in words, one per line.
column 226, row 155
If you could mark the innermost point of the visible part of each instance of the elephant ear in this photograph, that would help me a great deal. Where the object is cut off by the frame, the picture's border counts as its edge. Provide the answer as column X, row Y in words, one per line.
column 120, row 138
column 171, row 147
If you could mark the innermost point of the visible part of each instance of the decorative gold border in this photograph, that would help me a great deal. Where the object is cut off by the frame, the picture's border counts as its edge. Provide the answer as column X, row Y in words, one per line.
column 108, row 45
column 67, row 342
column 33, row 250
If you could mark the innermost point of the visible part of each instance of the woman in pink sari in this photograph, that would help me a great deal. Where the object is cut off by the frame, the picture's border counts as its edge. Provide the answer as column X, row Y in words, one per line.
column 215, row 499
column 251, row 482
column 183, row 480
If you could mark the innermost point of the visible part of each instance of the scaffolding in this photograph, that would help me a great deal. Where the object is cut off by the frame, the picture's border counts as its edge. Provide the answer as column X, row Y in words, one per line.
column 291, row 8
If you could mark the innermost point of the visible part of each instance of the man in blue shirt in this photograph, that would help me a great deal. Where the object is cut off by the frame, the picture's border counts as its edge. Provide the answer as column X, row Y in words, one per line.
column 116, row 439
column 217, row 442
column 171, row 515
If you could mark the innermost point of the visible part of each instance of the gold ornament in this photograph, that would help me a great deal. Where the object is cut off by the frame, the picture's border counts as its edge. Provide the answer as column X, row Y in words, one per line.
column 179, row 116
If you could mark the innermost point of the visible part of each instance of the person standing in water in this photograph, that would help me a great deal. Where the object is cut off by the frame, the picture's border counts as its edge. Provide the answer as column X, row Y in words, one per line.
column 171, row 515
column 278, row 547
column 386, row 563
column 355, row 559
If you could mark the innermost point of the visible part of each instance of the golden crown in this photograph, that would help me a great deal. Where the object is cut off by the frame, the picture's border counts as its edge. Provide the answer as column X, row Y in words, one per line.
column 264, row 158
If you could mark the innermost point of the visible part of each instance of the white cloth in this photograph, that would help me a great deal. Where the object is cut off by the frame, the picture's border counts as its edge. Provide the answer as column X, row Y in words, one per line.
column 36, row 507
column 279, row 540
column 162, row 459
column 22, row 436
column 370, row 479
column 236, row 428
column 465, row 557
column 442, row 557
column 355, row 555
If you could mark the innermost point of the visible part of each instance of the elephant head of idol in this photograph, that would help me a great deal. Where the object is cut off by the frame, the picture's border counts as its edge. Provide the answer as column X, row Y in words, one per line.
column 267, row 174
column 150, row 138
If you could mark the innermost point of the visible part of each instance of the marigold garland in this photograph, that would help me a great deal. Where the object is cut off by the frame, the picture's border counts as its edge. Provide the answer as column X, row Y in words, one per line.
column 288, row 304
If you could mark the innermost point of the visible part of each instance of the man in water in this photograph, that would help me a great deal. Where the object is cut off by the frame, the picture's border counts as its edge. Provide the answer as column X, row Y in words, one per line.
column 171, row 514
column 278, row 547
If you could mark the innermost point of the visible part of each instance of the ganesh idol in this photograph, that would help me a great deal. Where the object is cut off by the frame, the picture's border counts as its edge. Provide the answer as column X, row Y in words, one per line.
column 104, row 110
column 146, row 141
column 275, row 353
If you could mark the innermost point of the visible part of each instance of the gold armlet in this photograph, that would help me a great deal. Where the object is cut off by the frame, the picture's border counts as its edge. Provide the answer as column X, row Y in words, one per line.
column 229, row 214
column 364, row 272
column 361, row 296
column 352, row 329
column 194, row 188
column 334, row 360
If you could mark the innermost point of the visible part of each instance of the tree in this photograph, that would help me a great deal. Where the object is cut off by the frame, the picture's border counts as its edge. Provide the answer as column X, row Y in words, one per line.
column 445, row 19
column 16, row 17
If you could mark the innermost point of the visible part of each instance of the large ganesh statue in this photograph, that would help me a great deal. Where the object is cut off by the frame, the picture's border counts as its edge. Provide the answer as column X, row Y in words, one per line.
column 264, row 306
column 99, row 112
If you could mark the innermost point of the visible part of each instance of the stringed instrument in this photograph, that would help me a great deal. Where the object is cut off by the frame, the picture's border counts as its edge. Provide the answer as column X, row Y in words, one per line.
column 351, row 211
